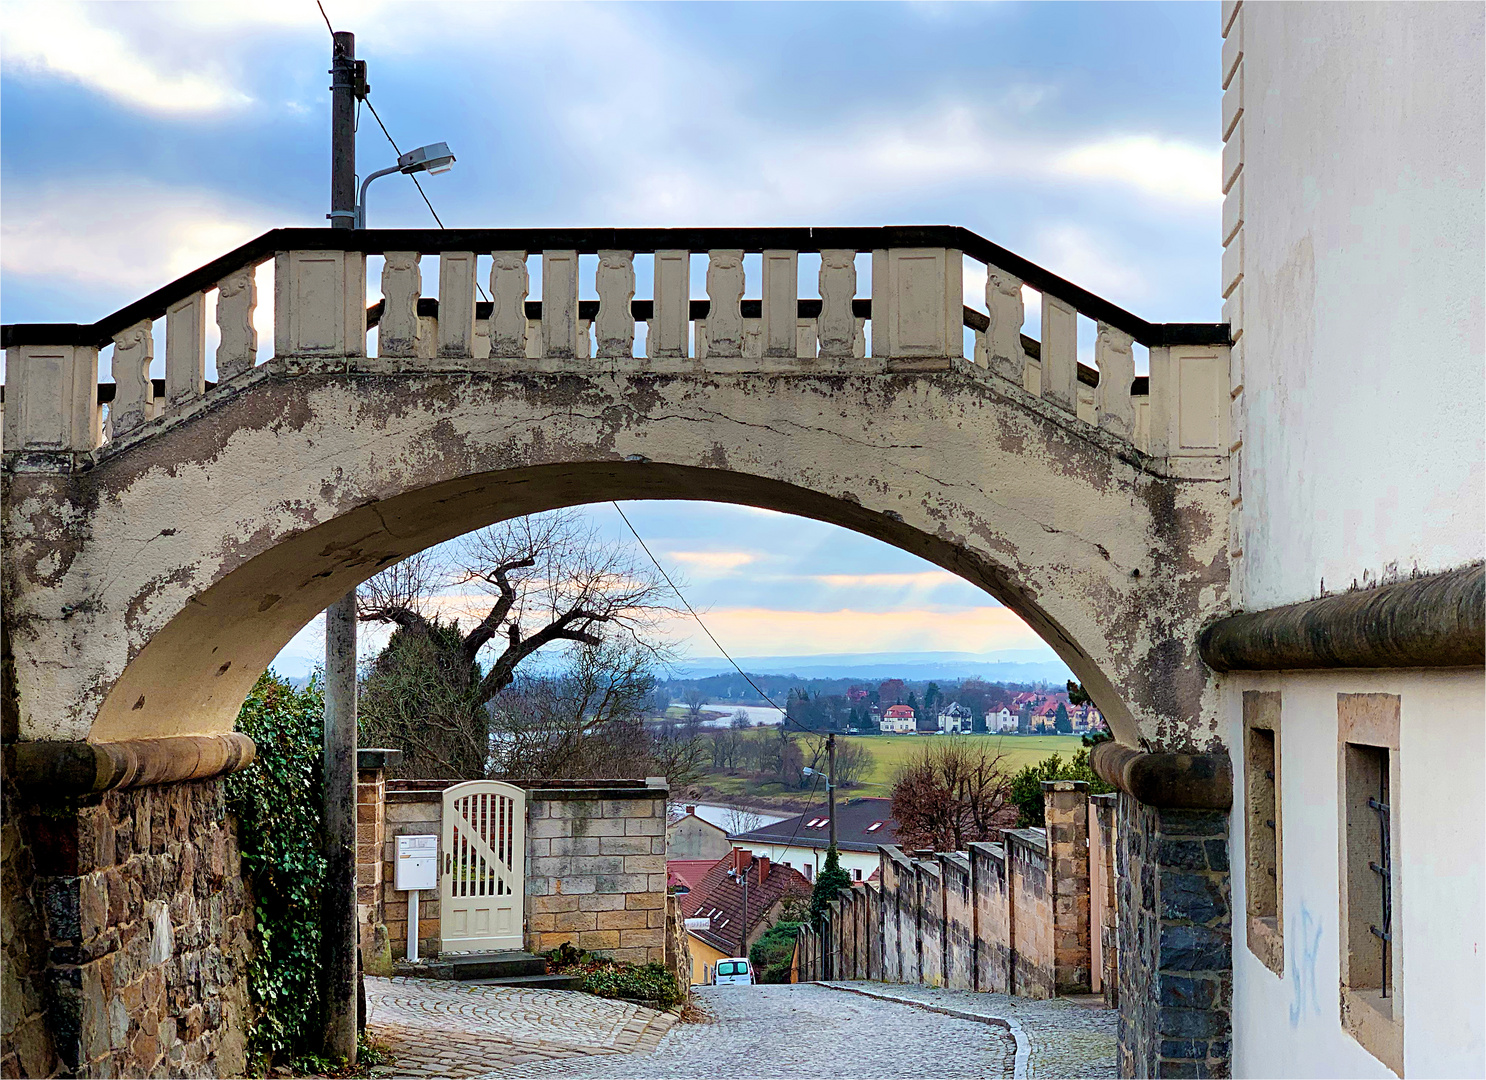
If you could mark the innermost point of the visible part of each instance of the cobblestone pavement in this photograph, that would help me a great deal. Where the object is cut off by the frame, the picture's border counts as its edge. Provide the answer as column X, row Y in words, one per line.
column 804, row 1031
column 460, row 1030
column 1067, row 1038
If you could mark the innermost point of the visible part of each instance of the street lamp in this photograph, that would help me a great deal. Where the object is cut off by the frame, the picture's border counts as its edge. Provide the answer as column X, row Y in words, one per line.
column 433, row 159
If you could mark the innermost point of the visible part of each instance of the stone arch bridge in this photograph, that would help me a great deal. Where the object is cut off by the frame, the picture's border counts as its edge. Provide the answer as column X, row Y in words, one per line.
column 164, row 538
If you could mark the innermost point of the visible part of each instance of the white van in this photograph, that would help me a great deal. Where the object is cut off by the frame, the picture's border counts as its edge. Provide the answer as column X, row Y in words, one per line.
column 733, row 971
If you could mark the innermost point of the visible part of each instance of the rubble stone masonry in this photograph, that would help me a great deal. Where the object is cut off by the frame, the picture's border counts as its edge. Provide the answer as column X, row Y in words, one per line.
column 128, row 932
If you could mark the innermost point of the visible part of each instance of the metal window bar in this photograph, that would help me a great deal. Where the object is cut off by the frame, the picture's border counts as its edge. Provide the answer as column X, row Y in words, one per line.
column 1384, row 868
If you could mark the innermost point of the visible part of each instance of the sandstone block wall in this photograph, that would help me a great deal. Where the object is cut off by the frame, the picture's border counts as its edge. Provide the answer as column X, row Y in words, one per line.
column 1031, row 951
column 1066, row 805
column 959, row 922
column 989, row 891
column 930, row 920
column 138, row 941
column 595, row 866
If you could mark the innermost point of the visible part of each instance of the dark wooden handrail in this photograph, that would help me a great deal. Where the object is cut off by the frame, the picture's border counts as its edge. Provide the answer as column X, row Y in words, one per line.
column 591, row 241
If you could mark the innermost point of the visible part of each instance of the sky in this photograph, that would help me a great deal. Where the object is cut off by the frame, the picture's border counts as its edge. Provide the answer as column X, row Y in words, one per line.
column 140, row 140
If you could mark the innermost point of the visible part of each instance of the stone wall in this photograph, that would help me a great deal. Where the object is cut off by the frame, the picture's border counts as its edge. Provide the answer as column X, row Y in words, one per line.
column 595, row 866
column 137, row 940
column 1013, row 917
column 959, row 922
column 1030, row 902
column 1175, row 963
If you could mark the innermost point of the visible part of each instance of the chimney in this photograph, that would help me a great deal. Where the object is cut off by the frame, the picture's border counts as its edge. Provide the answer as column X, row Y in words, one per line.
column 740, row 859
column 692, row 811
column 763, row 868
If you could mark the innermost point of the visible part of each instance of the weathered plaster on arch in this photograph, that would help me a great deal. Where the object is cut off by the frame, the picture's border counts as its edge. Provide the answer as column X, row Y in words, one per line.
column 195, row 553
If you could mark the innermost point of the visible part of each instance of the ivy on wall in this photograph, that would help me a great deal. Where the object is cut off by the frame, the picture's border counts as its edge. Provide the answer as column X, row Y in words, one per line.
column 277, row 801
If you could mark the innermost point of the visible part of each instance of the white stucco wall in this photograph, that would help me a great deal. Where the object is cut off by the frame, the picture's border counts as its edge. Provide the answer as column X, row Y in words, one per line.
column 1362, row 294
column 1362, row 419
column 1292, row 1026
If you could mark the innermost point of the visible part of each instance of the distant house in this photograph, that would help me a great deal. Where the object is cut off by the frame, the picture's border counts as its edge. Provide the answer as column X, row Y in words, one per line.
column 716, row 924
column 956, row 720
column 1001, row 720
column 898, row 720
column 800, row 842
column 691, row 837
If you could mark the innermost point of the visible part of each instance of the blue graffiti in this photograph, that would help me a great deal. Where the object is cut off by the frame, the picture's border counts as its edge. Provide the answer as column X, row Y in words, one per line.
column 1303, row 968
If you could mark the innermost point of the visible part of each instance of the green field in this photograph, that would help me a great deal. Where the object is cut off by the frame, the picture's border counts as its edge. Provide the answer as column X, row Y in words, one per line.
column 891, row 751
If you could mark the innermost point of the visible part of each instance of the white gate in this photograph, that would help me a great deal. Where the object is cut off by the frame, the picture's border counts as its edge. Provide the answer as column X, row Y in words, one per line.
column 483, row 886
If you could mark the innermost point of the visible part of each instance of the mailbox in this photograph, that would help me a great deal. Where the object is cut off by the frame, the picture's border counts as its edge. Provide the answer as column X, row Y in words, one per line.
column 417, row 863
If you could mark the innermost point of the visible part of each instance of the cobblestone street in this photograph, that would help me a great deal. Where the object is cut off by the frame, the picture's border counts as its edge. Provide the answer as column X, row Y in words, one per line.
column 806, row 1031
column 858, row 1029
column 461, row 1029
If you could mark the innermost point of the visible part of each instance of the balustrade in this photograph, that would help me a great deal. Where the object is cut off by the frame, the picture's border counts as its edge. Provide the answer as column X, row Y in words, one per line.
column 913, row 320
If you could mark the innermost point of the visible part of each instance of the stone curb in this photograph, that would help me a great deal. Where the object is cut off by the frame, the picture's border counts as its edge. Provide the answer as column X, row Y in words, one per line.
column 1018, row 1036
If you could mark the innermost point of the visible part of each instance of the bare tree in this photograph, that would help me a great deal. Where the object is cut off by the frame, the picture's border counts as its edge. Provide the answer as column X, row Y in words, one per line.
column 696, row 701
column 853, row 762
column 466, row 615
column 739, row 819
column 952, row 793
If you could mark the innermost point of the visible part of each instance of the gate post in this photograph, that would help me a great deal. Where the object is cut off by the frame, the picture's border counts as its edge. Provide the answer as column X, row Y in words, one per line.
column 1175, row 917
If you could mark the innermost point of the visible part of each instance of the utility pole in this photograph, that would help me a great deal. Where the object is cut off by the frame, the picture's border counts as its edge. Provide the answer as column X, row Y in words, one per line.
column 831, row 783
column 339, row 954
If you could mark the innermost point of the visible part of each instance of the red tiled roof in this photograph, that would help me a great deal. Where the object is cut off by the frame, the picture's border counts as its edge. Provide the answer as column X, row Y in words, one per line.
column 687, row 872
column 900, row 712
column 720, row 898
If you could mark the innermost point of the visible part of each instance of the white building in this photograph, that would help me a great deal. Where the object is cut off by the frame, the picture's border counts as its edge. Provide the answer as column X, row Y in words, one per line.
column 800, row 842
column 1352, row 277
column 898, row 720
column 1002, row 720
column 956, row 720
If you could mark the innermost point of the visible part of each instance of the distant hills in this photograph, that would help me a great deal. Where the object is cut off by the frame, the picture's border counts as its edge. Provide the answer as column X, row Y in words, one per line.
column 1012, row 665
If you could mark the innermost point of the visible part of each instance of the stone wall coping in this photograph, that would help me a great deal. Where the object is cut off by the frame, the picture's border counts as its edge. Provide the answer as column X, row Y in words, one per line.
column 959, row 860
column 433, row 791
column 377, row 757
column 989, row 848
column 59, row 770
column 1032, row 838
column 895, row 853
column 1434, row 621
column 1169, row 781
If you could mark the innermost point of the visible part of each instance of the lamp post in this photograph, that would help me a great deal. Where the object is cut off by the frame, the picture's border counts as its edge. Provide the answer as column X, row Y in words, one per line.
column 433, row 159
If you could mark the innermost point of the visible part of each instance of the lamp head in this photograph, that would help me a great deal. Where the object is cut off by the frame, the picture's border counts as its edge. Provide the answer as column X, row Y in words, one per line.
column 433, row 158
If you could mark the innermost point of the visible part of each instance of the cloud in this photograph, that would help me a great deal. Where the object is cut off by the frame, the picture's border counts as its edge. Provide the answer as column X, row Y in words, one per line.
column 138, row 235
column 768, row 632
column 62, row 40
column 923, row 579
column 1163, row 168
column 717, row 562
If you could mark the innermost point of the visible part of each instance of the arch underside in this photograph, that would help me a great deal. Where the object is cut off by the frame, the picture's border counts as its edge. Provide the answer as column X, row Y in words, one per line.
column 205, row 548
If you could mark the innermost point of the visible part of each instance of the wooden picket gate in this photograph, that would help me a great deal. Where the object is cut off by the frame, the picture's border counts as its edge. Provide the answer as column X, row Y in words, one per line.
column 482, row 888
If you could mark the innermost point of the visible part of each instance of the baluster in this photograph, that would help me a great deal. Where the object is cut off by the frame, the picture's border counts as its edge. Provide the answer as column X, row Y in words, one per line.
column 725, row 289
column 667, row 332
column 134, row 393
column 482, row 338
column 1114, row 354
column 585, row 341
column 1088, row 408
column 185, row 350
column 859, row 339
column 616, row 288
column 509, row 285
column 237, row 298
column 457, row 304
column 402, row 285
column 838, row 285
column 1059, row 352
column 1003, row 339
column 560, row 304
column 781, row 291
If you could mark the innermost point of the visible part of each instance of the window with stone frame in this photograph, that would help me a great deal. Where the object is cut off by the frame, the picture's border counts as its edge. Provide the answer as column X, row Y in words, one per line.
column 1264, row 861
column 1372, row 1009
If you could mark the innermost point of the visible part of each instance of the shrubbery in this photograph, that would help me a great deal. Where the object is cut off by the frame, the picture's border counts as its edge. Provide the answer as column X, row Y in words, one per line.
column 773, row 954
column 1026, row 786
column 277, row 801
column 603, row 977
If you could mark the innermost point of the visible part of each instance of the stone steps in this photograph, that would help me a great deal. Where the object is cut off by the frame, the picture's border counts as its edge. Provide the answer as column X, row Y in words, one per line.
column 488, row 967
